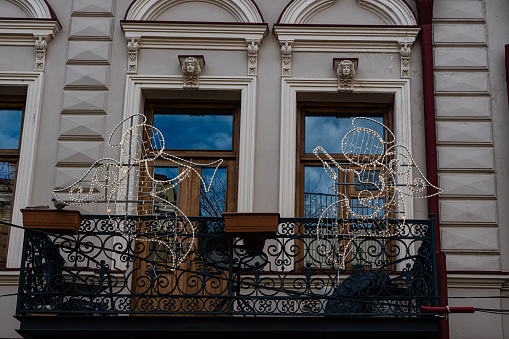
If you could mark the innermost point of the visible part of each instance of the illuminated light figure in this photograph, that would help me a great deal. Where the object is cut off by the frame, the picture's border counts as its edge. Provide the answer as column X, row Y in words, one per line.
column 130, row 188
column 386, row 169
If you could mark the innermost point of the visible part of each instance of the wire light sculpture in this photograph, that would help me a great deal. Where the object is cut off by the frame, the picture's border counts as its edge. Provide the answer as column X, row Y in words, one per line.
column 385, row 171
column 130, row 187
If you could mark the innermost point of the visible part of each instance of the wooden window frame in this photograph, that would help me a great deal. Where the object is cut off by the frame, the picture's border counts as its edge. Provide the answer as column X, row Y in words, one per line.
column 333, row 108
column 304, row 159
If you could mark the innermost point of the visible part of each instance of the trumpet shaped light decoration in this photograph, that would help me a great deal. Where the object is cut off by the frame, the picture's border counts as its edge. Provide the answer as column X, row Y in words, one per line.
column 383, row 174
column 131, row 187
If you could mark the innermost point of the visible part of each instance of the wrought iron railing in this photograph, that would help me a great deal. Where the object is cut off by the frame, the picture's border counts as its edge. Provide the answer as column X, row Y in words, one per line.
column 100, row 271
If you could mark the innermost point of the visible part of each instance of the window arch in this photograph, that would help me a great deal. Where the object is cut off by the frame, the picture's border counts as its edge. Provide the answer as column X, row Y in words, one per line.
column 244, row 11
column 393, row 12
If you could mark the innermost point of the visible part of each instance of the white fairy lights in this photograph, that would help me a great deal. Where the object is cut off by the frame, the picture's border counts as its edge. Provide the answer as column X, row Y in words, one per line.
column 386, row 169
column 132, row 188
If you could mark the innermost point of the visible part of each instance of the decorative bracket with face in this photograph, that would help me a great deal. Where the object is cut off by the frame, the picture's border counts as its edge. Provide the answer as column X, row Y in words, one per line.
column 191, row 70
column 345, row 70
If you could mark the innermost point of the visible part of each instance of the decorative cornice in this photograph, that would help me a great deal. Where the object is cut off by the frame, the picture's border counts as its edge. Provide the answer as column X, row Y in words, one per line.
column 148, row 10
column 9, row 278
column 393, row 12
column 481, row 280
column 24, row 32
column 358, row 39
column 185, row 35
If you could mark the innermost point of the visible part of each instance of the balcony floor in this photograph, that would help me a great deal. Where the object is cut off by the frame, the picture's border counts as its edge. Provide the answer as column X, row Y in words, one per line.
column 127, row 327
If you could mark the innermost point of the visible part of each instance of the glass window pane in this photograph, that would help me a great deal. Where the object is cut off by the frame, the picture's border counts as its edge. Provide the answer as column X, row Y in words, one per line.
column 210, row 129
column 318, row 191
column 7, row 176
column 328, row 130
column 213, row 202
column 10, row 129
column 163, row 190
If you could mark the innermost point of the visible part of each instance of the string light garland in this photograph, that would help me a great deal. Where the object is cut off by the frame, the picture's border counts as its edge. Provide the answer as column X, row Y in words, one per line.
column 386, row 169
column 132, row 188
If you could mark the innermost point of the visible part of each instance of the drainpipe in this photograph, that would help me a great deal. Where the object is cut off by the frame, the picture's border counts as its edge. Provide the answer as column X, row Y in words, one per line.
column 507, row 68
column 425, row 8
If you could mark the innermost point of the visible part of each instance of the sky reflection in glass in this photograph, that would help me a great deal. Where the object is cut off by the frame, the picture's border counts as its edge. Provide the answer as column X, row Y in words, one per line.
column 328, row 131
column 195, row 129
column 10, row 128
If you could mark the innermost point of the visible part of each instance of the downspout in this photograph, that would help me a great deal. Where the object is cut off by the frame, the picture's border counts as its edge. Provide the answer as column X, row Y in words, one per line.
column 507, row 68
column 425, row 8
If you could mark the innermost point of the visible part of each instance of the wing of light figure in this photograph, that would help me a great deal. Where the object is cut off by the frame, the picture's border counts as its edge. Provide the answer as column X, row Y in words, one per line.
column 130, row 188
column 408, row 176
column 99, row 183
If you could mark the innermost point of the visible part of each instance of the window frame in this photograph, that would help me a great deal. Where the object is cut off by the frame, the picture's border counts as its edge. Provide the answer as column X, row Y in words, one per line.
column 188, row 195
column 304, row 159
column 13, row 102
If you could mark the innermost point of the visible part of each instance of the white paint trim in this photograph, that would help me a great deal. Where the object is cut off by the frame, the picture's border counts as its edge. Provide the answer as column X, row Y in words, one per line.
column 24, row 32
column 212, row 36
column 366, row 39
column 247, row 86
column 26, row 164
column 393, row 12
column 242, row 10
column 35, row 9
column 288, row 161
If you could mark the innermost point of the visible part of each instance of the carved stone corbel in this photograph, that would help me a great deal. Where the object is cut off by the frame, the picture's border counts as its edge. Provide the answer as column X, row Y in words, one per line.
column 252, row 54
column 133, row 46
column 191, row 69
column 286, row 58
column 405, row 59
column 41, row 45
column 345, row 70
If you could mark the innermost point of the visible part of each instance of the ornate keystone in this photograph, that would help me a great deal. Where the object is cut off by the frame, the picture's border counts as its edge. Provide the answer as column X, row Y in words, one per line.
column 345, row 69
column 191, row 69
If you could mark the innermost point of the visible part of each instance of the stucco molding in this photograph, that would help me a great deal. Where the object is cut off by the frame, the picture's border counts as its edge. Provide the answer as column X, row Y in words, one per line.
column 400, row 88
column 253, row 46
column 34, row 84
column 476, row 280
column 349, row 39
column 286, row 58
column 136, row 84
column 35, row 9
column 202, row 36
column 24, row 32
column 244, row 11
column 393, row 12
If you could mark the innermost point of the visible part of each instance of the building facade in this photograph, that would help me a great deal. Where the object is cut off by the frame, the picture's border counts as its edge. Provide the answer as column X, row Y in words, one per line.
column 433, row 72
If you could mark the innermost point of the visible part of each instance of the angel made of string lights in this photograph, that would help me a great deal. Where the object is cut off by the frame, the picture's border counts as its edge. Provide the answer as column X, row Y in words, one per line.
column 131, row 187
column 381, row 172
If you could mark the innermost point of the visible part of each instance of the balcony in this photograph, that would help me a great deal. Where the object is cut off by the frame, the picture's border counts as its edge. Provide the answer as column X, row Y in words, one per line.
column 100, row 281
